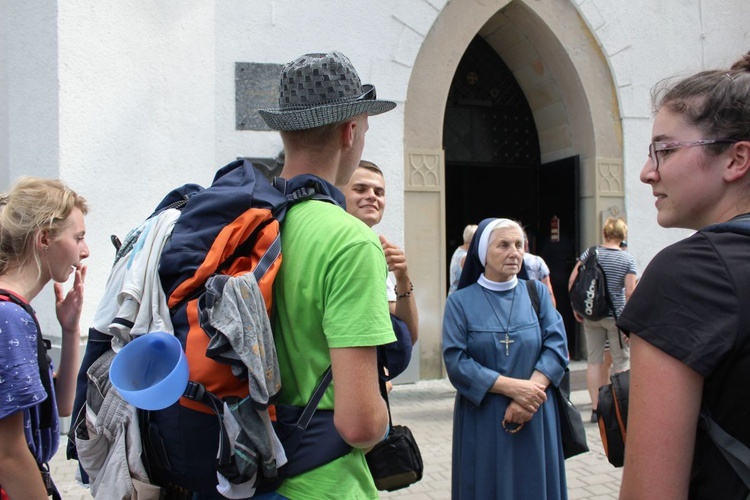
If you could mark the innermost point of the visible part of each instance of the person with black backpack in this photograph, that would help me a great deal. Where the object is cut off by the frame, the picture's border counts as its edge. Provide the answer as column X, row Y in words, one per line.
column 597, row 307
column 689, row 320
column 42, row 239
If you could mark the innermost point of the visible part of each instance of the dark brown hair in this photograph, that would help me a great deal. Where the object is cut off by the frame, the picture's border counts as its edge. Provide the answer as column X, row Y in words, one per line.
column 368, row 165
column 717, row 102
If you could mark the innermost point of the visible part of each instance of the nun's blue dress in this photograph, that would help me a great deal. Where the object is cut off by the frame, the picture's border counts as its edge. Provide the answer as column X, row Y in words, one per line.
column 488, row 462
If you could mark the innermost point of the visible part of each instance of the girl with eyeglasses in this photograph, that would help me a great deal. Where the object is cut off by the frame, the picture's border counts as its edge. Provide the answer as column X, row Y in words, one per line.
column 689, row 317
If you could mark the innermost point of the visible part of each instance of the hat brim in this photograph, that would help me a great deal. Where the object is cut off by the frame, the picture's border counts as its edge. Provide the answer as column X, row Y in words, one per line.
column 305, row 118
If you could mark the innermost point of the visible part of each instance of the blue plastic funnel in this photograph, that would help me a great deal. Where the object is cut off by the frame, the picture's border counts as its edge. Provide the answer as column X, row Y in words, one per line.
column 150, row 372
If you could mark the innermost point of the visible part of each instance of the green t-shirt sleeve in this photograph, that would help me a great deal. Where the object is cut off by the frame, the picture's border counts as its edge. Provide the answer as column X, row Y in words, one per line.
column 356, row 308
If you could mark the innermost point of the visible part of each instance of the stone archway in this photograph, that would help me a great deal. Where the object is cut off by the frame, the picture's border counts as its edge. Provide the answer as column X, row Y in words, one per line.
column 569, row 86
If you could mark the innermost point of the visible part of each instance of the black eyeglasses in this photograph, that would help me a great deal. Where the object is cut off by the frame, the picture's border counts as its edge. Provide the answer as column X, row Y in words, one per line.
column 660, row 146
column 369, row 95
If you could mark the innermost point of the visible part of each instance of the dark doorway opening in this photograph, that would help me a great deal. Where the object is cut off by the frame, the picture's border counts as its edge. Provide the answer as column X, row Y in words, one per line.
column 558, row 237
column 493, row 169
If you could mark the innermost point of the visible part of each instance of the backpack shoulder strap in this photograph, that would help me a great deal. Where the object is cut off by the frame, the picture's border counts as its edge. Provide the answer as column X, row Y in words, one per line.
column 306, row 186
column 740, row 224
column 736, row 453
column 593, row 251
column 607, row 296
column 42, row 345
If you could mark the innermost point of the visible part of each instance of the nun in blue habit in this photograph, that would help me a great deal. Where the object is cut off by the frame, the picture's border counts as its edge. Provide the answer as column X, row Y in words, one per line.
column 502, row 360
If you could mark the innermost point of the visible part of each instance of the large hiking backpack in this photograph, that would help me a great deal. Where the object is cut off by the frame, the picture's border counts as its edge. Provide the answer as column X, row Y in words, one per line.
column 231, row 228
column 588, row 295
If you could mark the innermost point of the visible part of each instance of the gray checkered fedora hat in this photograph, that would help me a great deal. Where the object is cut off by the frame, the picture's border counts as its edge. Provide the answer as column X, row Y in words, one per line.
column 320, row 89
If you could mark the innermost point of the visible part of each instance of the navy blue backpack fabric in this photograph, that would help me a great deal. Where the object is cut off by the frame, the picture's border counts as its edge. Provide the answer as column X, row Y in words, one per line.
column 395, row 357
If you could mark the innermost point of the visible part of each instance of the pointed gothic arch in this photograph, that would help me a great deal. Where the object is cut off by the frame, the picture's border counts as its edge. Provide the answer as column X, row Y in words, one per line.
column 570, row 89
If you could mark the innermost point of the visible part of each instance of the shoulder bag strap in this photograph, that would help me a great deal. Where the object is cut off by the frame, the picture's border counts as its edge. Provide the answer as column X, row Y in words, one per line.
column 317, row 395
column 564, row 387
column 384, row 392
column 534, row 296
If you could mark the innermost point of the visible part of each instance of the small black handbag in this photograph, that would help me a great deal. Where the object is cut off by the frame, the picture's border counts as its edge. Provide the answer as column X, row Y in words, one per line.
column 395, row 462
column 572, row 433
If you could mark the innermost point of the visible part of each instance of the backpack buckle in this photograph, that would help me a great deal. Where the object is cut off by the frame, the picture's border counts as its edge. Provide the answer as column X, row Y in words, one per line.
column 194, row 391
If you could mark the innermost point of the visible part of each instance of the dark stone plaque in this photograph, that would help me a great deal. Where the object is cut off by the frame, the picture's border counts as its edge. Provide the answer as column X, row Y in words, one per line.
column 256, row 86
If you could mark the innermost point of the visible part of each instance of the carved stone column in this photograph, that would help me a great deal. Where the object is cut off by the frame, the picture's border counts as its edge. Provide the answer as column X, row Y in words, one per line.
column 424, row 234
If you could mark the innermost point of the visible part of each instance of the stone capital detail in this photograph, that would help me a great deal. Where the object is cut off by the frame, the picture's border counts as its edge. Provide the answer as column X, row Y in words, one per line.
column 609, row 177
column 424, row 170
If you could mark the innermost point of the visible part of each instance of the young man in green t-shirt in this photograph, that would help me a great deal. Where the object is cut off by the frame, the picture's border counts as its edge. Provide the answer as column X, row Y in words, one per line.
column 330, row 305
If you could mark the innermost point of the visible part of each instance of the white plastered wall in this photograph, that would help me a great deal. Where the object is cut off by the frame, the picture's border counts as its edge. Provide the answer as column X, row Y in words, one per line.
column 117, row 99
column 29, row 117
column 645, row 42
column 126, row 99
column 600, row 59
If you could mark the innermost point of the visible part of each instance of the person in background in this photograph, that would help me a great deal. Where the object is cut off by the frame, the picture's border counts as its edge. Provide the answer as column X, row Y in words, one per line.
column 42, row 239
column 537, row 269
column 620, row 271
column 330, row 309
column 689, row 320
column 502, row 358
column 365, row 200
column 458, row 257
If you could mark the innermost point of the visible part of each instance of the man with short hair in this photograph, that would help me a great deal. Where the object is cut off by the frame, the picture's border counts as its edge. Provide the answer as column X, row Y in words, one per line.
column 330, row 309
column 365, row 199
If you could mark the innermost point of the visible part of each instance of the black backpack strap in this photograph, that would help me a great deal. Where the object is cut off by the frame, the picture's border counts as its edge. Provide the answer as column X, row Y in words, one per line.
column 595, row 252
column 197, row 392
column 306, row 186
column 607, row 296
column 739, row 224
column 610, row 304
column 312, row 191
column 735, row 452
